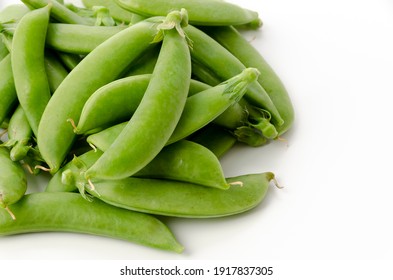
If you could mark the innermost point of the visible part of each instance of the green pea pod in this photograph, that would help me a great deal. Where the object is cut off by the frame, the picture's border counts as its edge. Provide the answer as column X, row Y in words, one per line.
column 78, row 38
column 13, row 182
column 146, row 64
column 103, row 65
column 115, row 10
column 170, row 198
column 159, row 111
column 69, row 60
column 199, row 110
column 224, row 65
column 3, row 50
column 59, row 12
column 19, row 135
column 232, row 40
column 119, row 99
column 28, row 65
column 69, row 212
column 8, row 95
column 201, row 12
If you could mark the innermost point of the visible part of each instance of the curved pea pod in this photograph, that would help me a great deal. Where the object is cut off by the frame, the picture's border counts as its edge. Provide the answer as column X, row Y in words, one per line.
column 119, row 100
column 28, row 64
column 19, row 135
column 8, row 95
column 224, row 65
column 69, row 212
column 232, row 40
column 170, row 198
column 54, row 70
column 13, row 182
column 199, row 110
column 159, row 111
column 3, row 50
column 78, row 38
column 184, row 161
column 103, row 65
column 201, row 12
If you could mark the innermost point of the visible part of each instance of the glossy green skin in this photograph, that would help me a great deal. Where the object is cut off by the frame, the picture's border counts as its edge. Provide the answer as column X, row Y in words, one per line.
column 186, row 161
column 156, row 116
column 232, row 40
column 78, row 38
column 8, row 95
column 146, row 64
column 118, row 100
column 101, row 66
column 13, row 183
column 201, row 12
column 115, row 10
column 59, row 12
column 211, row 54
column 199, row 110
column 69, row 212
column 28, row 66
column 217, row 139
column 19, row 135
column 170, row 198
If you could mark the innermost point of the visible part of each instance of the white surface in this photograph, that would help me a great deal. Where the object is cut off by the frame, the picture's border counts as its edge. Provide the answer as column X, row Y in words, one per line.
column 336, row 59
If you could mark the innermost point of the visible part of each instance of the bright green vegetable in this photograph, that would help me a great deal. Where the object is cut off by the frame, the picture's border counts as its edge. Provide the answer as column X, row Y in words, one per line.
column 69, row 212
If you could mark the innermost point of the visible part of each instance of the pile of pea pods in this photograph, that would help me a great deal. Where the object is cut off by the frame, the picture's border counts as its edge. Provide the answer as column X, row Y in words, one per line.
column 129, row 105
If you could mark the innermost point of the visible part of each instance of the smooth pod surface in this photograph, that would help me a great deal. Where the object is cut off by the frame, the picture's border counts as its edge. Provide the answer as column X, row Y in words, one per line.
column 170, row 198
column 69, row 212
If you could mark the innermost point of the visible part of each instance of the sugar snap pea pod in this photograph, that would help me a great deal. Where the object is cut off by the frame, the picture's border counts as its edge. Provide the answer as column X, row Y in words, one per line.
column 28, row 66
column 217, row 139
column 232, row 40
column 8, row 95
column 115, row 10
column 78, row 38
column 69, row 212
column 171, row 198
column 211, row 54
column 159, row 110
column 13, row 182
column 201, row 12
column 181, row 161
column 118, row 100
column 103, row 65
column 199, row 110
column 19, row 135
column 59, row 12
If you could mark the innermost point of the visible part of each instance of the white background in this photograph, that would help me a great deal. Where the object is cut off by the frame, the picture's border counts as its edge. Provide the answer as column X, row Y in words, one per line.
column 336, row 60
